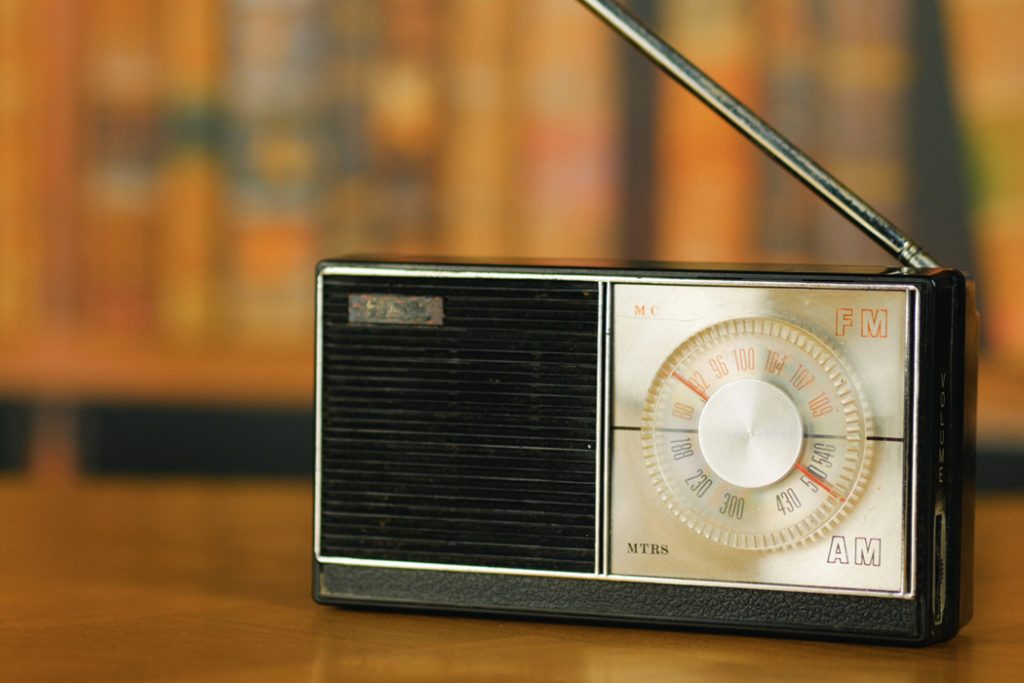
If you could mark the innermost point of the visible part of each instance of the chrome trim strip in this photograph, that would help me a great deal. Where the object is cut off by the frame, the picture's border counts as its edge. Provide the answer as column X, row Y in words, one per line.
column 915, row 445
column 600, row 444
column 317, row 395
column 611, row 279
column 461, row 568
column 606, row 512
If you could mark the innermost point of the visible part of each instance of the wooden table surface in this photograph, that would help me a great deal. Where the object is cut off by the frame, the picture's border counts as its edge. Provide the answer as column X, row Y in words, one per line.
column 123, row 580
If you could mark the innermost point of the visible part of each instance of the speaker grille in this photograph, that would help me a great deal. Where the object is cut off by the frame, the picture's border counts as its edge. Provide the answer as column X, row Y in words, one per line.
column 471, row 442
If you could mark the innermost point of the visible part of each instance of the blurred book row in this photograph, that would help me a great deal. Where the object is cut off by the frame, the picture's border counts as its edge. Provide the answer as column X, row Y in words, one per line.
column 171, row 170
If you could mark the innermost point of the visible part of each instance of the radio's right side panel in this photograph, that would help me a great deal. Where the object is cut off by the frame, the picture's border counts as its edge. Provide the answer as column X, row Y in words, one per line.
column 761, row 437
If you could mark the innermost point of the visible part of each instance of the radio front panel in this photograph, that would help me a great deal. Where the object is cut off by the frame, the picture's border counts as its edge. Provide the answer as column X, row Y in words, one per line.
column 759, row 436
column 418, row 469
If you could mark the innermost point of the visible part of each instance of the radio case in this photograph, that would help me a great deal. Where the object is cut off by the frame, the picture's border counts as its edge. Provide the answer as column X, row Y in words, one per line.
column 466, row 439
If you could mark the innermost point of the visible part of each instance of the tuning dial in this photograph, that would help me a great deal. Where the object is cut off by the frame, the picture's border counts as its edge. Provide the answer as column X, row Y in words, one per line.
column 756, row 435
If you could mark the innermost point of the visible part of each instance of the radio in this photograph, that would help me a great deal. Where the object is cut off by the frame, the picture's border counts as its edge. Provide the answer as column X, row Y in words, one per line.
column 746, row 449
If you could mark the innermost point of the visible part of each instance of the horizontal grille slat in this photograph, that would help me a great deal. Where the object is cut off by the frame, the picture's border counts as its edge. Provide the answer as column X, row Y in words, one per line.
column 556, row 350
column 454, row 486
column 443, row 540
column 463, row 444
column 565, row 365
column 525, row 530
column 456, row 454
column 567, row 379
column 470, row 476
column 524, row 443
column 495, row 510
column 500, row 423
column 452, row 501
column 439, row 386
column 469, row 460
column 460, row 433
column 468, row 442
column 375, row 462
column 356, row 409
column 466, row 516
column 535, row 401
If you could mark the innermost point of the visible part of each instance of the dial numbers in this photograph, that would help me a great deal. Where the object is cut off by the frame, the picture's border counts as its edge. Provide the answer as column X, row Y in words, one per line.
column 754, row 434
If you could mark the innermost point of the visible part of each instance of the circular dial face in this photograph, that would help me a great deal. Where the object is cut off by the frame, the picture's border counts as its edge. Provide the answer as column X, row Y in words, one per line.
column 755, row 434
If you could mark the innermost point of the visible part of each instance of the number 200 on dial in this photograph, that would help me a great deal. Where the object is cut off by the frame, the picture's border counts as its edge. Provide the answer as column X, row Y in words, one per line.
column 755, row 434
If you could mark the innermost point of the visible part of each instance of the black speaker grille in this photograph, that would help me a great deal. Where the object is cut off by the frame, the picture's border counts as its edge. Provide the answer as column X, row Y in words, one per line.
column 470, row 442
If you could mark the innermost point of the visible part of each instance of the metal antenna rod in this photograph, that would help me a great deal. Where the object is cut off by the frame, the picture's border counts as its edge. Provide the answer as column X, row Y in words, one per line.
column 826, row 186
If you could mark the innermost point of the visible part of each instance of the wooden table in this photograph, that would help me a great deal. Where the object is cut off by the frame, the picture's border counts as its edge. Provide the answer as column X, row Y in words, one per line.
column 126, row 580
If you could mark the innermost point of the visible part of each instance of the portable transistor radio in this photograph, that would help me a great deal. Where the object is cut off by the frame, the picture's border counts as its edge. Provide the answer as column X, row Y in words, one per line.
column 748, row 449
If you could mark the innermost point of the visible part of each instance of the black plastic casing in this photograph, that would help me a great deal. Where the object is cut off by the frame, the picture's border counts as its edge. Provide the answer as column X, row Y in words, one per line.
column 944, row 371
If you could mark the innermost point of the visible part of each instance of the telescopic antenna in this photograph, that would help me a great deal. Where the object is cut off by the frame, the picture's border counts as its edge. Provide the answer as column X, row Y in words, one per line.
column 824, row 184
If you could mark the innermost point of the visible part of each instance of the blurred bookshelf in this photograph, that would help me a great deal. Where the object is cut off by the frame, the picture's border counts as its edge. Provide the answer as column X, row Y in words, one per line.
column 171, row 171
